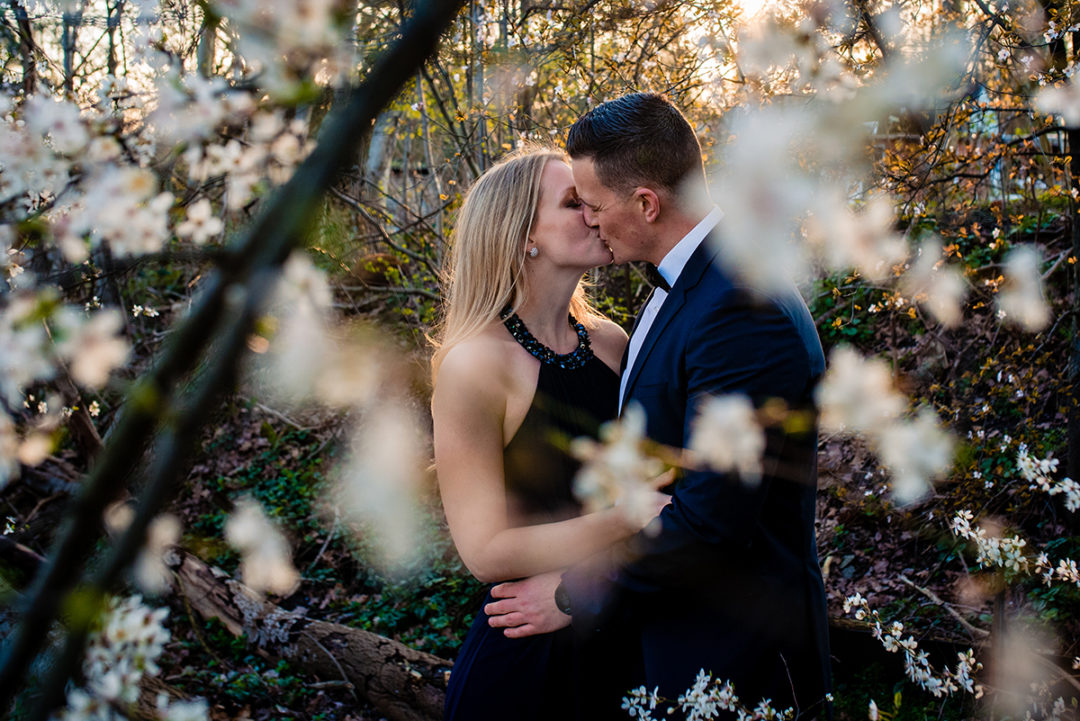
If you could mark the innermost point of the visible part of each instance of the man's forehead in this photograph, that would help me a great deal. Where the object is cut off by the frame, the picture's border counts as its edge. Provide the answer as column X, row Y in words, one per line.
column 585, row 175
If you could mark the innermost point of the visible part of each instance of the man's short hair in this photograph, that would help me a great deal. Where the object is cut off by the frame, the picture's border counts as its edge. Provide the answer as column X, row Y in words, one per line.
column 638, row 139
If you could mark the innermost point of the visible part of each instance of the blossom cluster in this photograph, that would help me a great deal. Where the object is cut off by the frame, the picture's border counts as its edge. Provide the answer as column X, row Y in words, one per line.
column 857, row 395
column 917, row 662
column 1039, row 473
column 1066, row 571
column 38, row 340
column 617, row 469
column 1005, row 552
column 120, row 652
column 703, row 701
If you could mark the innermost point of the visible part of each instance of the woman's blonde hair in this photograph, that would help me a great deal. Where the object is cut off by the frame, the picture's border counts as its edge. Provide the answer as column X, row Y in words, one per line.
column 484, row 271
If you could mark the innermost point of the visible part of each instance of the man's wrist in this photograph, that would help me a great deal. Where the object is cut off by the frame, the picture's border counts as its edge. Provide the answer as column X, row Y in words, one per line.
column 562, row 599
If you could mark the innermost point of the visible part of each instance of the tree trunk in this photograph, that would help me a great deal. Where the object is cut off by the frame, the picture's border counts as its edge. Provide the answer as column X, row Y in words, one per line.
column 1072, row 397
column 26, row 49
column 402, row 683
column 207, row 51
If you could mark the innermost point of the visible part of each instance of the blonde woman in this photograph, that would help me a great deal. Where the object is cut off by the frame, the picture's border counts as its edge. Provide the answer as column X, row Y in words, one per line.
column 522, row 364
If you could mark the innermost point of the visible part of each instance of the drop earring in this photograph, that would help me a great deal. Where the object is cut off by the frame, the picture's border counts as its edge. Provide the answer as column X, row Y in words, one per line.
column 534, row 251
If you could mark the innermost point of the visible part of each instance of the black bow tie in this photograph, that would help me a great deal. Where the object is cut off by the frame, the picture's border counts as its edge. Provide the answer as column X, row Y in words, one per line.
column 655, row 279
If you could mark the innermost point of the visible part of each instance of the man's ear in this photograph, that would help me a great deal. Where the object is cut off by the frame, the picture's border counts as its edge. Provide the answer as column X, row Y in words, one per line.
column 648, row 202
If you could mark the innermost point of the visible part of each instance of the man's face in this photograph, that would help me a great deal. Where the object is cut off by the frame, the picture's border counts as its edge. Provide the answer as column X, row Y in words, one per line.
column 615, row 214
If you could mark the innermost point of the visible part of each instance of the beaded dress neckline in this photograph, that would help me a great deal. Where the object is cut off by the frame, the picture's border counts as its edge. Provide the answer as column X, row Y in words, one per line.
column 568, row 361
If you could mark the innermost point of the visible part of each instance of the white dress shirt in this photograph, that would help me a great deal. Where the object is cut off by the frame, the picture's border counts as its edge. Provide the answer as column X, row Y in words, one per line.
column 670, row 268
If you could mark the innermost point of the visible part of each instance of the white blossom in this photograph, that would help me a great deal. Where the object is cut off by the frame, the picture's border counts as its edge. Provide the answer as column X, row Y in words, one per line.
column 867, row 240
column 1005, row 552
column 917, row 665
column 200, row 223
column 377, row 485
column 9, row 449
column 1021, row 298
column 23, row 357
column 92, row 347
column 727, row 436
column 616, row 470
column 639, row 703
column 122, row 650
column 266, row 561
column 1063, row 100
column 916, row 452
column 151, row 573
column 939, row 287
column 60, row 120
column 857, row 394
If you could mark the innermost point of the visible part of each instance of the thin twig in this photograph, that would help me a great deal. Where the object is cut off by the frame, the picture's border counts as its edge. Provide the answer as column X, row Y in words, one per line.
column 973, row 630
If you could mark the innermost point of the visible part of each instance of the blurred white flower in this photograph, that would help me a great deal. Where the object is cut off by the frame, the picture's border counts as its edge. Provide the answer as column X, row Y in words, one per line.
column 200, row 224
column 301, row 348
column 867, row 240
column 122, row 207
column 616, row 471
column 118, row 516
column 727, row 436
column 92, row 347
column 9, row 449
column 916, row 453
column 60, row 120
column 376, row 487
column 23, row 358
column 1021, row 298
column 1063, row 100
column 266, row 561
column 190, row 710
column 103, row 149
column 765, row 198
column 857, row 394
column 151, row 573
column 35, row 448
column 939, row 287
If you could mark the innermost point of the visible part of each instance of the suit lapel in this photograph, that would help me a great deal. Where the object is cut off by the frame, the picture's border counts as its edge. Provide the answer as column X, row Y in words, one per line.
column 690, row 277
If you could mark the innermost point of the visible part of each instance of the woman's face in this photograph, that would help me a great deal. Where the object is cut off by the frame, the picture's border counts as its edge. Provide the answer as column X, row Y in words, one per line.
column 559, row 230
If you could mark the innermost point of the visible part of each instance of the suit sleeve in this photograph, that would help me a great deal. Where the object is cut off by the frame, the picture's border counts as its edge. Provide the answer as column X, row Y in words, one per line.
column 738, row 347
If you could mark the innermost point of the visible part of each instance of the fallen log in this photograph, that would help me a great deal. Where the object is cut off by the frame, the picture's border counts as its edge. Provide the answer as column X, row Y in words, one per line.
column 403, row 684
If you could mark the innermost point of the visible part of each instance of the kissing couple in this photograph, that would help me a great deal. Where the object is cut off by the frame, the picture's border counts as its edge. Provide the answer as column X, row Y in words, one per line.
column 585, row 607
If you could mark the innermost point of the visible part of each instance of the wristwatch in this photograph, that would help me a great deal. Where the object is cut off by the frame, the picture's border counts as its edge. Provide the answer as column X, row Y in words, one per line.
column 562, row 599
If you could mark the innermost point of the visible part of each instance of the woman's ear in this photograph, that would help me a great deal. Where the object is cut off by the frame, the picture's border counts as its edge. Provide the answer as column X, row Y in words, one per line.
column 648, row 202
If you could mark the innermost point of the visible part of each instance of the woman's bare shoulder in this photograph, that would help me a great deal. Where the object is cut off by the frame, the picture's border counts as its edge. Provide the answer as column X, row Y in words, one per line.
column 478, row 363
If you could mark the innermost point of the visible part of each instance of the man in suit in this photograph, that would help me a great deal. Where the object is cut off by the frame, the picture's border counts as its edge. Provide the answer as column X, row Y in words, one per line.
column 731, row 582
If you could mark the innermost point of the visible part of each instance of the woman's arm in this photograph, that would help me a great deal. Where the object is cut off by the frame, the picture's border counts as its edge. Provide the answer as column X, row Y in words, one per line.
column 468, row 409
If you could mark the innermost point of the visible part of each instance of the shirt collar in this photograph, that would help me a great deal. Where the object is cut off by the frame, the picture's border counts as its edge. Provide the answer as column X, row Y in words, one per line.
column 673, row 263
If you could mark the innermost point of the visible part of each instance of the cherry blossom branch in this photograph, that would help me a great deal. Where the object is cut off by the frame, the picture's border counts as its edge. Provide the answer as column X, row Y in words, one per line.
column 262, row 249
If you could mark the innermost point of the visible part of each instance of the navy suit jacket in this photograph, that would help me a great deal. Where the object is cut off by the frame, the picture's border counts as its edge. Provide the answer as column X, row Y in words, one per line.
column 731, row 583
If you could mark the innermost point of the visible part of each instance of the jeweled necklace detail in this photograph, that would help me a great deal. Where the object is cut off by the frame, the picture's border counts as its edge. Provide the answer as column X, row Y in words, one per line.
column 570, row 361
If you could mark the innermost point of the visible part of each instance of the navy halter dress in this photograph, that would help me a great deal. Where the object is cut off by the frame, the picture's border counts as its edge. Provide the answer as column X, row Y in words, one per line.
column 498, row 678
